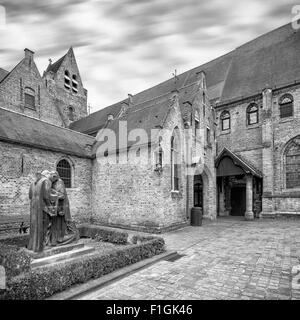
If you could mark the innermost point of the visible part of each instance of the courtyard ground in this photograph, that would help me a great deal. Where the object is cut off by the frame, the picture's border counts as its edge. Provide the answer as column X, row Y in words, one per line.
column 226, row 259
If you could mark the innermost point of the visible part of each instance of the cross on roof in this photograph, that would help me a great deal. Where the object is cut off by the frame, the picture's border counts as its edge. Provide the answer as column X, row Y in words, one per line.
column 174, row 74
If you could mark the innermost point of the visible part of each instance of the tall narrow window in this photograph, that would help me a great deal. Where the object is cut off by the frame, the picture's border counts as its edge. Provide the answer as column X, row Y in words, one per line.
column 175, row 161
column 292, row 163
column 64, row 170
column 208, row 136
column 252, row 114
column 225, row 120
column 67, row 80
column 74, row 84
column 286, row 106
column 197, row 123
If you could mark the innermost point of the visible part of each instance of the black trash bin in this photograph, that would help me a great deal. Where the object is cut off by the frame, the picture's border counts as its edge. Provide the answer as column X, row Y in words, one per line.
column 196, row 216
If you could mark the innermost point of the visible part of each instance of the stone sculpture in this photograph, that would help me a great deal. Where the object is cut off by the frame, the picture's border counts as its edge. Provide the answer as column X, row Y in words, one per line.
column 50, row 218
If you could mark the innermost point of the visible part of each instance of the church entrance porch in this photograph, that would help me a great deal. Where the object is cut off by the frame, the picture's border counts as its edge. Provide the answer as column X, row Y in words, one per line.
column 239, row 187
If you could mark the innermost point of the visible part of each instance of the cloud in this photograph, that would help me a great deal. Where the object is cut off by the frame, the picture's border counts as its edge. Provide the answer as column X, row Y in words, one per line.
column 125, row 46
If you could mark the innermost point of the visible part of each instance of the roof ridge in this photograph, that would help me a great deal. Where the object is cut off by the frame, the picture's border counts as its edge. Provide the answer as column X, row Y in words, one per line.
column 51, row 124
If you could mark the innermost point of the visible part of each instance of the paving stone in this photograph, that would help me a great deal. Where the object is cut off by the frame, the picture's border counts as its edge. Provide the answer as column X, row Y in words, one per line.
column 225, row 259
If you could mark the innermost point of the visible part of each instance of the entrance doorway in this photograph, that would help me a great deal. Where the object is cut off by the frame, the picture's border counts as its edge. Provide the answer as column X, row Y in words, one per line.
column 238, row 201
column 198, row 191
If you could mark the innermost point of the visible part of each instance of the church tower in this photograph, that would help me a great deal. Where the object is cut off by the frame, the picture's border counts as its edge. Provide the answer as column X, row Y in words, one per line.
column 63, row 82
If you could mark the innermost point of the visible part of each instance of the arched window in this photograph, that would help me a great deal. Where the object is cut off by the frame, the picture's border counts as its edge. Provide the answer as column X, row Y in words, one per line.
column 175, row 161
column 64, row 170
column 74, row 84
column 67, row 80
column 292, row 164
column 71, row 114
column 252, row 114
column 286, row 105
column 225, row 120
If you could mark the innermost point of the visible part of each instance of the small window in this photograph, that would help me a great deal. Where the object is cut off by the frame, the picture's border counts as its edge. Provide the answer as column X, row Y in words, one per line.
column 64, row 170
column 67, row 80
column 71, row 114
column 225, row 120
column 252, row 114
column 286, row 106
column 29, row 101
column 74, row 84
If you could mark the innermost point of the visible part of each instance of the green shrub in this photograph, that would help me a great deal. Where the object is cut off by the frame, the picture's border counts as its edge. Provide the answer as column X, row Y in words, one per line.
column 103, row 234
column 14, row 260
column 19, row 240
column 44, row 282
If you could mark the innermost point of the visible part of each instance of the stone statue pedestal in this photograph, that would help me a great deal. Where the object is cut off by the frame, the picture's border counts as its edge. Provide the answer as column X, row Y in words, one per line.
column 58, row 254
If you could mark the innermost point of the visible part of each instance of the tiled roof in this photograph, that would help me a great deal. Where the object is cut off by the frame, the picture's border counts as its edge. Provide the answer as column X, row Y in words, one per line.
column 3, row 74
column 20, row 129
column 270, row 60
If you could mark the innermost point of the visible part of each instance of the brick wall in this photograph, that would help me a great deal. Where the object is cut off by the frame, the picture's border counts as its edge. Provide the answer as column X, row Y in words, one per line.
column 15, row 181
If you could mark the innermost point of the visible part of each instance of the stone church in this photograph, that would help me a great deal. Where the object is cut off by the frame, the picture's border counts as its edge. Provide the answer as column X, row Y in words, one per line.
column 226, row 139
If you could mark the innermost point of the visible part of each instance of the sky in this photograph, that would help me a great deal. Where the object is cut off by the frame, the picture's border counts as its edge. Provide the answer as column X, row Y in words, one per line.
column 126, row 46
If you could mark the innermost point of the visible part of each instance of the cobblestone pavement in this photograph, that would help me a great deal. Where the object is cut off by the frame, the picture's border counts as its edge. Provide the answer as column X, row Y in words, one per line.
column 225, row 259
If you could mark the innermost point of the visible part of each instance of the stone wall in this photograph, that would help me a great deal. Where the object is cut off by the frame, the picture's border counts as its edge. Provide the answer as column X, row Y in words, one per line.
column 65, row 98
column 18, row 166
column 263, row 145
column 25, row 77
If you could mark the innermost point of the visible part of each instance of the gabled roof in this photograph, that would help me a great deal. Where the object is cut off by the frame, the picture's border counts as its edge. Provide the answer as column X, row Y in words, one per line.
column 238, row 161
column 21, row 129
column 3, row 74
column 56, row 65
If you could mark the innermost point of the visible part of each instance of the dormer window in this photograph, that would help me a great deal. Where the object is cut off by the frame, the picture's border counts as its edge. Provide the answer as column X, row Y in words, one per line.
column 67, row 80
column 74, row 84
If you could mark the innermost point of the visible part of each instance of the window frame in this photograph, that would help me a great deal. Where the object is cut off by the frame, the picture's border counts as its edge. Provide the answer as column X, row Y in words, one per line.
column 283, row 106
column 225, row 115
column 250, row 111
column 65, row 168
column 175, row 173
column 29, row 105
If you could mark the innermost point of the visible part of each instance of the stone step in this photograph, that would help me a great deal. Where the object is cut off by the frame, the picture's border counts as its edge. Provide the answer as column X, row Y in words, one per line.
column 61, row 257
column 55, row 250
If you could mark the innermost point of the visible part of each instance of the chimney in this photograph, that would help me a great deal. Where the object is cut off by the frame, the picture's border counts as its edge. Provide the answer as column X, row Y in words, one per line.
column 28, row 55
column 110, row 117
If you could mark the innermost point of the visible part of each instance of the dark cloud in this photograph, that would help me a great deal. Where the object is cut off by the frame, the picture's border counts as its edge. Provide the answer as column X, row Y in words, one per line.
column 128, row 45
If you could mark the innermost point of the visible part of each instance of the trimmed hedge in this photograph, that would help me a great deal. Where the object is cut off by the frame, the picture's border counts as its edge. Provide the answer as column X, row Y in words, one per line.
column 140, row 239
column 14, row 260
column 19, row 240
column 44, row 282
column 103, row 234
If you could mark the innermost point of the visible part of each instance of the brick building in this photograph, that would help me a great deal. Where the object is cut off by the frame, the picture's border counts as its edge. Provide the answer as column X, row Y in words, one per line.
column 223, row 136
